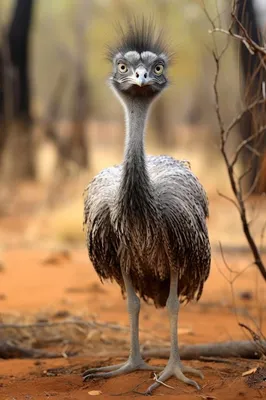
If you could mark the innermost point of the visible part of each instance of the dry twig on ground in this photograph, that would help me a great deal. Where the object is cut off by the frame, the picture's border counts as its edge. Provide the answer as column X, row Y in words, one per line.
column 9, row 350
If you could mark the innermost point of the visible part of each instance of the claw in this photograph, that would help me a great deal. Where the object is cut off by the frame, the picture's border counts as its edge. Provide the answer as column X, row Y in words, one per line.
column 192, row 371
column 101, row 369
column 119, row 369
column 106, row 374
column 173, row 369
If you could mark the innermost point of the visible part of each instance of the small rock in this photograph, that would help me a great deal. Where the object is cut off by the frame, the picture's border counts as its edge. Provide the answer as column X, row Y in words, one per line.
column 94, row 336
column 65, row 253
column 246, row 295
column 94, row 392
column 257, row 379
column 42, row 320
column 57, row 257
column 2, row 267
column 61, row 314
column 2, row 297
column 95, row 287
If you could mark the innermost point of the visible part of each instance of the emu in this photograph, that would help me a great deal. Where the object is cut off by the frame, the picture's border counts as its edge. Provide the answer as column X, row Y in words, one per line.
column 146, row 218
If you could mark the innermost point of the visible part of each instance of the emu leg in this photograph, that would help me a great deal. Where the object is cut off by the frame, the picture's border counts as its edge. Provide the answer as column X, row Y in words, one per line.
column 135, row 360
column 174, row 366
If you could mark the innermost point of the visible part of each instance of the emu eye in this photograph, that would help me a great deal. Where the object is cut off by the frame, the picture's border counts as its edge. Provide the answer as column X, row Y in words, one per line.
column 158, row 70
column 122, row 68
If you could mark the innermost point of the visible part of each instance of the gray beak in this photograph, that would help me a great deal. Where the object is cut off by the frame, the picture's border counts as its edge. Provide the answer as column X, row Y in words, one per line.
column 140, row 77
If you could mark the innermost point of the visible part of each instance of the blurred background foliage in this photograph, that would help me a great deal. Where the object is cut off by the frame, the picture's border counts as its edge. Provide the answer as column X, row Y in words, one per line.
column 54, row 41
column 77, row 126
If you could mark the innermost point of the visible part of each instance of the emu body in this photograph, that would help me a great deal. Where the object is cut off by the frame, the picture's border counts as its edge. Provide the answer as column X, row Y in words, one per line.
column 148, row 236
column 146, row 218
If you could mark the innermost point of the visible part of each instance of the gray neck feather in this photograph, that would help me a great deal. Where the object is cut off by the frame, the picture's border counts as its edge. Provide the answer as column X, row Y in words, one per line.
column 135, row 182
column 135, row 115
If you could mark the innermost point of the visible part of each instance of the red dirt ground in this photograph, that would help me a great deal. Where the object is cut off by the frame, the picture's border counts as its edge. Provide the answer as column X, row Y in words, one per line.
column 30, row 286
column 36, row 282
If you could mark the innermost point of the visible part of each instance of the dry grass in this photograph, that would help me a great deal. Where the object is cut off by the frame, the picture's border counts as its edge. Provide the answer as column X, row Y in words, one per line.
column 67, row 222
column 64, row 222
column 71, row 333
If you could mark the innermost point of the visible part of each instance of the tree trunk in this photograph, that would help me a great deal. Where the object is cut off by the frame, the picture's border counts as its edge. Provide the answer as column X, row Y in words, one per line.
column 17, row 158
column 79, row 146
column 16, row 145
column 73, row 148
column 254, row 75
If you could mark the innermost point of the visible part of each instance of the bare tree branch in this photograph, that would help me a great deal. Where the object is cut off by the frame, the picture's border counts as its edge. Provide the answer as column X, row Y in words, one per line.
column 244, row 143
column 224, row 134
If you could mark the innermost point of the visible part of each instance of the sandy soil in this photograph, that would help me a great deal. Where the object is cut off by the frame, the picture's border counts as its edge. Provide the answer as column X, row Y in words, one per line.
column 38, row 282
column 41, row 283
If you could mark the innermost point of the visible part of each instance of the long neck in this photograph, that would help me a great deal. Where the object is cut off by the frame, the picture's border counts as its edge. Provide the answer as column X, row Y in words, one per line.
column 135, row 179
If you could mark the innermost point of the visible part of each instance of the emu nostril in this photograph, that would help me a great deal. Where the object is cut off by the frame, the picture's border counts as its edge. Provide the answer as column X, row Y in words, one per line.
column 145, row 75
column 137, row 74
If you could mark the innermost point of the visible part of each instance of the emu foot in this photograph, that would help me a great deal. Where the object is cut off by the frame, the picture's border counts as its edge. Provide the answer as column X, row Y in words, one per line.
column 176, row 369
column 130, row 365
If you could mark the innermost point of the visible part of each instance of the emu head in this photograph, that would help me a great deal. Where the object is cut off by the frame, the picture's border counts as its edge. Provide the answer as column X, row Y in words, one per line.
column 140, row 61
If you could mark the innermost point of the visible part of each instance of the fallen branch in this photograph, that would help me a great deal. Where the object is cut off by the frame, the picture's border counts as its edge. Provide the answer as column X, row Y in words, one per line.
column 85, row 324
column 74, row 323
column 218, row 360
column 241, row 349
column 258, row 340
column 9, row 350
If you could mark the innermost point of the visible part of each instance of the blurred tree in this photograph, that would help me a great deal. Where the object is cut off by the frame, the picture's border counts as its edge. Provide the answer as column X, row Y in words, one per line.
column 161, row 115
column 78, row 149
column 254, row 77
column 73, row 148
column 16, row 145
column 71, row 86
column 2, row 108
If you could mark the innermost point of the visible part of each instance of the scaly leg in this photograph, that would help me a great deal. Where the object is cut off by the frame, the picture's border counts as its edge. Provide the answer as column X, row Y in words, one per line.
column 174, row 366
column 135, row 360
